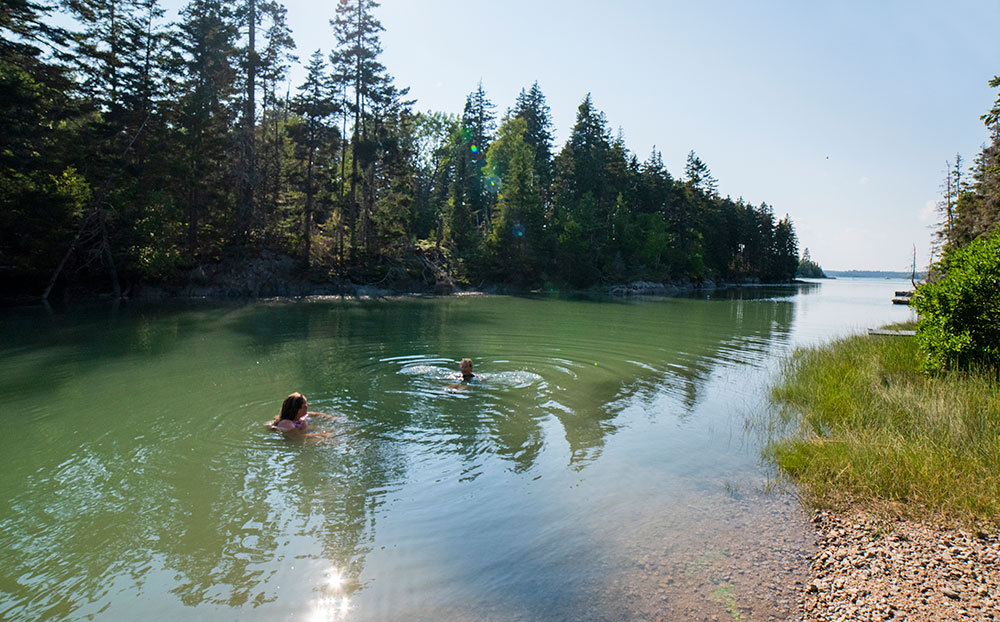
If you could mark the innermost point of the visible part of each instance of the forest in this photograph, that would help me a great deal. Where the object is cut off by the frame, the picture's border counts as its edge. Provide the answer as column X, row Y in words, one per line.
column 134, row 150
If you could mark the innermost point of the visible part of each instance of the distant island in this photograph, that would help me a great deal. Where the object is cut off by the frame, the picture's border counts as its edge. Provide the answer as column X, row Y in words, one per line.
column 875, row 274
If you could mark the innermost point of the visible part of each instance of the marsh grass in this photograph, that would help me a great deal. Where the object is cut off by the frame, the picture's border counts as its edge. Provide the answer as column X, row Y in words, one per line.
column 860, row 425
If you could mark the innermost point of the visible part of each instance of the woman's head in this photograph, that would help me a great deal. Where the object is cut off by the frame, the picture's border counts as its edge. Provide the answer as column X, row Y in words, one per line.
column 292, row 406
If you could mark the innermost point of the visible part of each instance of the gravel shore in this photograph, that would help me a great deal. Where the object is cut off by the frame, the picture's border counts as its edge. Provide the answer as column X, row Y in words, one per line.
column 868, row 568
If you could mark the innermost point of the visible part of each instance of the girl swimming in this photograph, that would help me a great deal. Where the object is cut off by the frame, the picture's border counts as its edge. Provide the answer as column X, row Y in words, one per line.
column 294, row 414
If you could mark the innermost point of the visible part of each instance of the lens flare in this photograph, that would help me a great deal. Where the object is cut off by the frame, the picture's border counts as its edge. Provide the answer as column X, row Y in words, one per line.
column 518, row 230
column 474, row 149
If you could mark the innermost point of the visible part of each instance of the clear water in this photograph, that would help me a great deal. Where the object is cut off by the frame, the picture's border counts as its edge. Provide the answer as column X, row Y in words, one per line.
column 600, row 469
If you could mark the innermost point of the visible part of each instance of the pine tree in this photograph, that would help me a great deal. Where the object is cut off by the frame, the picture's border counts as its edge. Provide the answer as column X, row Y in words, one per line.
column 517, row 226
column 478, row 125
column 977, row 210
column 270, row 150
column 581, row 204
column 435, row 157
column 315, row 138
column 358, row 47
column 531, row 107
column 206, row 90
column 42, row 194
column 699, row 177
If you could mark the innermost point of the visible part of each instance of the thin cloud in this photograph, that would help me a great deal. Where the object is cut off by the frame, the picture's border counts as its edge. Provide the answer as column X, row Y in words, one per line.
column 929, row 211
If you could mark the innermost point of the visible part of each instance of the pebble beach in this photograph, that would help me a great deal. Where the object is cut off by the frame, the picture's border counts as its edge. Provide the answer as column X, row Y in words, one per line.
column 869, row 568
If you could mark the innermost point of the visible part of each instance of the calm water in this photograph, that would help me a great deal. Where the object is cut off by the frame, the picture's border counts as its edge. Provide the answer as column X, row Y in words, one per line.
column 600, row 470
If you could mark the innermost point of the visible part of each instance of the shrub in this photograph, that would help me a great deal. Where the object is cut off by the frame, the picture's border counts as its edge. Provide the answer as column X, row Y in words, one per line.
column 959, row 323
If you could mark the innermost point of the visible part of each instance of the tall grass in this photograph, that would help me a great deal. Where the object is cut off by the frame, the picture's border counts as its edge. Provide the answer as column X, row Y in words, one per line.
column 863, row 426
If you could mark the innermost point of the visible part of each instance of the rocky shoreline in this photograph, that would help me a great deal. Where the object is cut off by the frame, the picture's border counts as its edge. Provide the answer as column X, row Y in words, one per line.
column 273, row 275
column 869, row 568
column 277, row 276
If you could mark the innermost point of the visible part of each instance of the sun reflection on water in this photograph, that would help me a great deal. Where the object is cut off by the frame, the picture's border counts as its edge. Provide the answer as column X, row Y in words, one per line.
column 331, row 609
column 334, row 580
column 335, row 605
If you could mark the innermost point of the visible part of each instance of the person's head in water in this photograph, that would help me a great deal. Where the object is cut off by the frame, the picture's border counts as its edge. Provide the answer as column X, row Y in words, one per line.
column 294, row 407
column 466, row 367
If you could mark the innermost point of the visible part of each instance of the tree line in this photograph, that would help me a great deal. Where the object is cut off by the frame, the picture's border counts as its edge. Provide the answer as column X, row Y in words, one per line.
column 970, row 203
column 132, row 149
column 958, row 308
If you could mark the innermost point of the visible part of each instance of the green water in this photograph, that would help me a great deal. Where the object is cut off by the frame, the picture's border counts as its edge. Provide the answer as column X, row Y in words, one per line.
column 600, row 469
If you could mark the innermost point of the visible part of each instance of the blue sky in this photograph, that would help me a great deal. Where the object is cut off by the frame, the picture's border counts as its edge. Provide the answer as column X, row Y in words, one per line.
column 841, row 114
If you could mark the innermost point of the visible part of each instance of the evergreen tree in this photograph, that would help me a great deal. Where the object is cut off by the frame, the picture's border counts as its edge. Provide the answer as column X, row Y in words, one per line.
column 358, row 47
column 435, row 159
column 808, row 268
column 42, row 195
column 785, row 258
column 977, row 209
column 392, row 176
column 270, row 146
column 699, row 177
column 531, row 107
column 315, row 138
column 517, row 226
column 581, row 204
column 478, row 125
column 259, row 70
column 204, row 43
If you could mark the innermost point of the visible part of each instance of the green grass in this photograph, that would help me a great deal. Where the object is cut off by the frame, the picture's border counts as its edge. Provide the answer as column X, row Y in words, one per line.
column 860, row 425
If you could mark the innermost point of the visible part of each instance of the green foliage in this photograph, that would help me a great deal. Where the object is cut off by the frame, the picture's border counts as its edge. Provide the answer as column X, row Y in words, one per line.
column 973, row 209
column 808, row 268
column 156, row 237
column 173, row 143
column 959, row 313
column 517, row 228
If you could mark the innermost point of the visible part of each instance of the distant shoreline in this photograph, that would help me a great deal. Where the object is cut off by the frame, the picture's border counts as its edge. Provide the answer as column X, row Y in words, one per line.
column 874, row 274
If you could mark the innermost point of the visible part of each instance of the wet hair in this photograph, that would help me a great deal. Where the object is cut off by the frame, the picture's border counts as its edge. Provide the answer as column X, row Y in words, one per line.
column 462, row 367
column 291, row 406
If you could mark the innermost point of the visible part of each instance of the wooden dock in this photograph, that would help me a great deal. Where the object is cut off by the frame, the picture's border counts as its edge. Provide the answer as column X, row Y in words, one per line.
column 902, row 298
column 891, row 333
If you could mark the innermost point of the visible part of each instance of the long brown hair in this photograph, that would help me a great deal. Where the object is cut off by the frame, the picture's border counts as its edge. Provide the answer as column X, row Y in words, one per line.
column 291, row 406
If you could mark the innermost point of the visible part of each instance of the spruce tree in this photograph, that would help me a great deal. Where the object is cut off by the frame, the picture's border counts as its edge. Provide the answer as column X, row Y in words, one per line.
column 315, row 138
column 42, row 194
column 478, row 125
column 206, row 91
column 358, row 48
column 517, row 227
column 531, row 107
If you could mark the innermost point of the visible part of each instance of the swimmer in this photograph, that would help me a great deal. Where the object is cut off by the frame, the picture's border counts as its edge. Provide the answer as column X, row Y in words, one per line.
column 294, row 414
column 467, row 376
column 466, row 367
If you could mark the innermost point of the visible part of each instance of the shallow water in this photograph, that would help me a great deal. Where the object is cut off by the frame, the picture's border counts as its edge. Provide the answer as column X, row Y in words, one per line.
column 600, row 467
